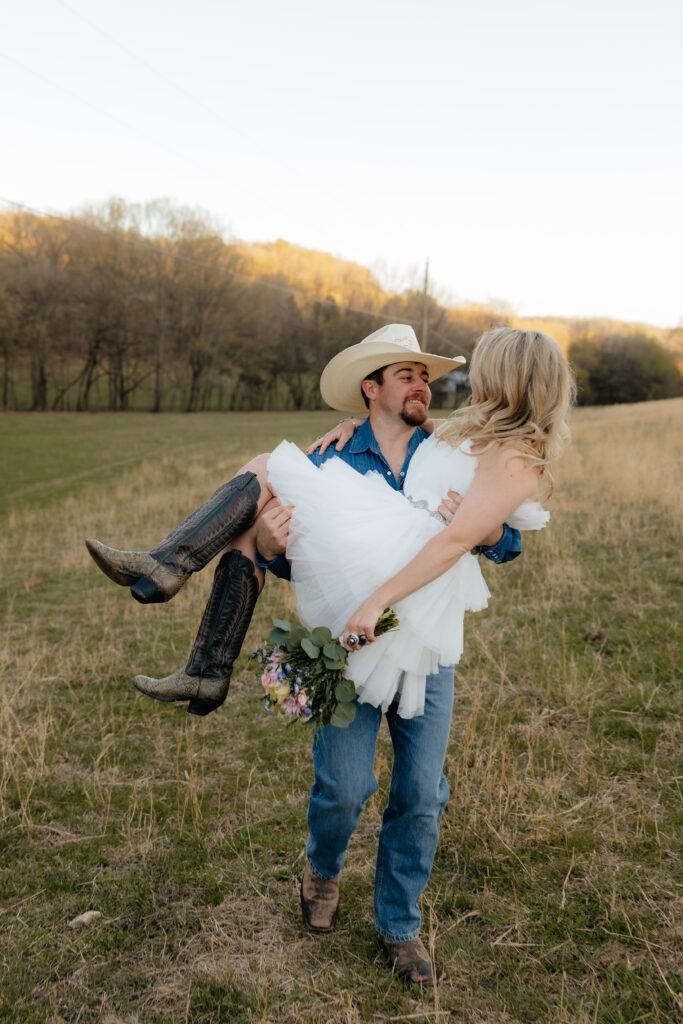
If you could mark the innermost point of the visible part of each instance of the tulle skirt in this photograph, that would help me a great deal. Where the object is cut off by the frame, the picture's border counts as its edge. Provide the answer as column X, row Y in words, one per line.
column 352, row 532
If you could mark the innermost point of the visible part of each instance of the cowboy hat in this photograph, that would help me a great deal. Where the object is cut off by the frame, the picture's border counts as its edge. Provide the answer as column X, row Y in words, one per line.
column 340, row 383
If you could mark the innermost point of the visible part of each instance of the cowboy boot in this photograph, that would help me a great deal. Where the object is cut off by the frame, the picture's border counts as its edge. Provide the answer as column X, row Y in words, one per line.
column 319, row 901
column 157, row 575
column 205, row 679
column 411, row 961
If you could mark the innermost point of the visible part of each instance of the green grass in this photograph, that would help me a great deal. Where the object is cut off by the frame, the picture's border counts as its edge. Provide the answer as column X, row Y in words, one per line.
column 555, row 895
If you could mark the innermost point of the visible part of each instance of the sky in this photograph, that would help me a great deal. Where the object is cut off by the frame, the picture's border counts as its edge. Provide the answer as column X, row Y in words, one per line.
column 532, row 152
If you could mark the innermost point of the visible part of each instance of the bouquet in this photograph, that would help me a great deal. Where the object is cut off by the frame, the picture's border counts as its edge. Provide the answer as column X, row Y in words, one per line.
column 302, row 672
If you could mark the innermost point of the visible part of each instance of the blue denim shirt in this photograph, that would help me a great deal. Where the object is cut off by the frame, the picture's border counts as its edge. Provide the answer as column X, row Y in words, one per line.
column 364, row 454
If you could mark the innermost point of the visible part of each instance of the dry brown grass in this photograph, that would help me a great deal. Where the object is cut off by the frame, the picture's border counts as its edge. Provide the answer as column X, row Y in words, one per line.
column 554, row 894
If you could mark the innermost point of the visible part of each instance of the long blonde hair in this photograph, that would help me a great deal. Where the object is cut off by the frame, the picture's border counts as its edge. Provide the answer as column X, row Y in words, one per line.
column 524, row 388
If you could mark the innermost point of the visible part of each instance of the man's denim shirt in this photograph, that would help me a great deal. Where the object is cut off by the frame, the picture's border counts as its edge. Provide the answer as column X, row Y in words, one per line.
column 363, row 453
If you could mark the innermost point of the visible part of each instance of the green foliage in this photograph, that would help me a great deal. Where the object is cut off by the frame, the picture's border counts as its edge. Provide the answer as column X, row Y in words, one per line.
column 633, row 368
column 132, row 307
column 309, row 665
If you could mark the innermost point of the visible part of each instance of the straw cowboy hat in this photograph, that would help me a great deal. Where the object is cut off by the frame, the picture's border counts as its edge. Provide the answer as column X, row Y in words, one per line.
column 340, row 384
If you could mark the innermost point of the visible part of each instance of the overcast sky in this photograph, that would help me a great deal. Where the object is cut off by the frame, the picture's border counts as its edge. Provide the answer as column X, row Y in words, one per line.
column 533, row 151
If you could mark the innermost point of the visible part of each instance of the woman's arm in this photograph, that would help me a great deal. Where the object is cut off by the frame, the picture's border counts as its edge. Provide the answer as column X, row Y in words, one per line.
column 342, row 434
column 503, row 481
column 345, row 430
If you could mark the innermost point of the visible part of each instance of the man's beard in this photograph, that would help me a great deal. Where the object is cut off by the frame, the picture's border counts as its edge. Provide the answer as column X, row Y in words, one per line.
column 413, row 419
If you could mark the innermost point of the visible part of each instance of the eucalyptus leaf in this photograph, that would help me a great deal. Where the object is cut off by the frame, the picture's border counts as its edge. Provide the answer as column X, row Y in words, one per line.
column 281, row 624
column 335, row 666
column 278, row 636
column 321, row 635
column 334, row 651
column 343, row 715
column 310, row 648
column 296, row 635
column 345, row 691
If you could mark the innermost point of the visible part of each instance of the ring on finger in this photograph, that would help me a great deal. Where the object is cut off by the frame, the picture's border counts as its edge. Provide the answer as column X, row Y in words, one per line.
column 362, row 640
column 352, row 639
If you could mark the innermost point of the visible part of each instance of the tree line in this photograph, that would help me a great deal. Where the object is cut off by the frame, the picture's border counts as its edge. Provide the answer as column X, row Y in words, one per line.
column 149, row 307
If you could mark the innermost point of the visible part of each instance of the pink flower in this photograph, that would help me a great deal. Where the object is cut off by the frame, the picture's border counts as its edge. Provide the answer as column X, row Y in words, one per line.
column 276, row 656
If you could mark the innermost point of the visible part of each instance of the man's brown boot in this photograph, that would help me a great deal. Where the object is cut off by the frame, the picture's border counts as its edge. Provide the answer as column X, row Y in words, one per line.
column 410, row 960
column 319, row 901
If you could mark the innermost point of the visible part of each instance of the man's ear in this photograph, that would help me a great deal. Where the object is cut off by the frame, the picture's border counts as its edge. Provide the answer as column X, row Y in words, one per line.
column 369, row 389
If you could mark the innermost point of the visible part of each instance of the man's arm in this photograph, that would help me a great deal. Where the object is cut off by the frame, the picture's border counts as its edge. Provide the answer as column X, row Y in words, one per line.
column 505, row 550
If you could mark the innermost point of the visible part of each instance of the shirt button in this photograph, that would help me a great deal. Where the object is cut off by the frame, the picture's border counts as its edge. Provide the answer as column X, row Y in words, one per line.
column 402, row 473
column 388, row 472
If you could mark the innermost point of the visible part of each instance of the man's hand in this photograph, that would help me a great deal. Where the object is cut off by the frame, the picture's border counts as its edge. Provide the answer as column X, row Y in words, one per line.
column 272, row 529
column 450, row 505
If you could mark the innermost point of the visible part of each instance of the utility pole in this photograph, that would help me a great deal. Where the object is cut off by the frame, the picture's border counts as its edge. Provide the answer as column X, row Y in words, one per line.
column 425, row 307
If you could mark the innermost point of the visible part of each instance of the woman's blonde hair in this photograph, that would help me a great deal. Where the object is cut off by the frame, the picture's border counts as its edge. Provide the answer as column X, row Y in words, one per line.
column 524, row 388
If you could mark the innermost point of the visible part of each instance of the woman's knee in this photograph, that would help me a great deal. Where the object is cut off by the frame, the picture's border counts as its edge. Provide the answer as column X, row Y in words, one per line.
column 258, row 465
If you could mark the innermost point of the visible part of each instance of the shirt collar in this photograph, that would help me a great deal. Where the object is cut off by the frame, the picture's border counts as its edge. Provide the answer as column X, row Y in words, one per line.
column 364, row 440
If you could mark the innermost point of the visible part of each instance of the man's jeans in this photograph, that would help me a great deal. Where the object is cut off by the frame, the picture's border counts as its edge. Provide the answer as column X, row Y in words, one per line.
column 343, row 760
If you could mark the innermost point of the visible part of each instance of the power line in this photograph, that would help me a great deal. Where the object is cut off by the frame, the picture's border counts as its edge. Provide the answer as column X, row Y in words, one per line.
column 98, row 110
column 136, row 132
column 148, row 246
column 155, row 71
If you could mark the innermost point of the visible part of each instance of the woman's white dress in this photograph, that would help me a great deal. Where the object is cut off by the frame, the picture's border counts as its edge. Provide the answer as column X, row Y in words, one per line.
column 352, row 532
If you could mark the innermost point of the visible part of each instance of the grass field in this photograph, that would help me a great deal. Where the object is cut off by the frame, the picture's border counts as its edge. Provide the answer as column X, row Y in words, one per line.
column 554, row 893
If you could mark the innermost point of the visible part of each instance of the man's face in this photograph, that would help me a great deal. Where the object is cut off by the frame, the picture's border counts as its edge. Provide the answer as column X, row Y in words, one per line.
column 404, row 392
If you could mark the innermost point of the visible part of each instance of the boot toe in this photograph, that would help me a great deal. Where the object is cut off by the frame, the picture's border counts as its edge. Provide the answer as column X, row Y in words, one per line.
column 106, row 560
column 411, row 961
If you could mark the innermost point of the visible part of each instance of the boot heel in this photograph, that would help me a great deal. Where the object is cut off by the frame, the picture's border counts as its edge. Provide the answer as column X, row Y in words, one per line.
column 146, row 591
column 199, row 706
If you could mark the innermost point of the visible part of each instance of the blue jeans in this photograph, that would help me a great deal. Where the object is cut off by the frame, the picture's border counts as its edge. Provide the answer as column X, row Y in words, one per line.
column 343, row 760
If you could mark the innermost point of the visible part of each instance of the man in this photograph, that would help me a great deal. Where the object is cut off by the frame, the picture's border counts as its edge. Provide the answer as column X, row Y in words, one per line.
column 388, row 374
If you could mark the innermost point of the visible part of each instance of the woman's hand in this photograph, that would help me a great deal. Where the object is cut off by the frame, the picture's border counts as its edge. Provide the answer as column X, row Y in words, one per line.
column 362, row 625
column 342, row 434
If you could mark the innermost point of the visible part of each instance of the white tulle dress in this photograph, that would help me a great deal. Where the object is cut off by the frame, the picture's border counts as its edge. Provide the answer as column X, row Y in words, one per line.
column 352, row 532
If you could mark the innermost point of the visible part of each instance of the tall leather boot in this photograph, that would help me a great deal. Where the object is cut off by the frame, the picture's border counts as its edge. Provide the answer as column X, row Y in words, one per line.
column 157, row 575
column 205, row 679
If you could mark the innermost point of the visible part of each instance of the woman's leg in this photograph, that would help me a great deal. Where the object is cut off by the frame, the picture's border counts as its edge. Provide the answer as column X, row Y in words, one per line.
column 157, row 575
column 205, row 679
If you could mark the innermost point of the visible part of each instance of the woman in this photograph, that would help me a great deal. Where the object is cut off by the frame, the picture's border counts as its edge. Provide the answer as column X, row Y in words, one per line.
column 498, row 451
column 348, row 535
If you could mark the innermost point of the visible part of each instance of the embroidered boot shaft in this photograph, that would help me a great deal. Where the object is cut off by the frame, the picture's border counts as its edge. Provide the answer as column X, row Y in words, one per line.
column 205, row 680
column 211, row 527
column 156, row 576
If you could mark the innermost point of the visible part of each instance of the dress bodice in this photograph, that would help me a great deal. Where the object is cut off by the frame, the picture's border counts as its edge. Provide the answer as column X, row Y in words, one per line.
column 436, row 468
